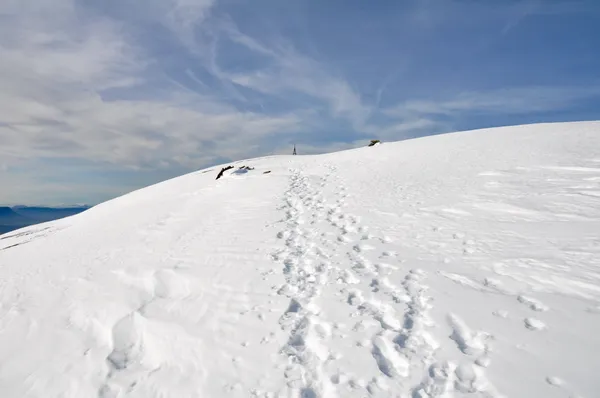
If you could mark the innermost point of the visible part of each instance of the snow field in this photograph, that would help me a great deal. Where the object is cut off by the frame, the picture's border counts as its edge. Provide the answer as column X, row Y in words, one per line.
column 461, row 265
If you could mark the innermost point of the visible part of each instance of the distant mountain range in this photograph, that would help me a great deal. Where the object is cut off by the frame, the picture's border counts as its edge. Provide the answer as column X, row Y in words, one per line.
column 16, row 217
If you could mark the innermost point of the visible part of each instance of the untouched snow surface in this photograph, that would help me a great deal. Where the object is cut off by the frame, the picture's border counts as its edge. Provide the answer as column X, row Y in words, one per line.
column 460, row 265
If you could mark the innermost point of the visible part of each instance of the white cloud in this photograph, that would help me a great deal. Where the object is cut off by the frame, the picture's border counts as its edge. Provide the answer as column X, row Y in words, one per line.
column 290, row 72
column 55, row 45
column 28, row 188
column 140, row 133
column 520, row 100
column 428, row 15
column 519, row 12
column 408, row 128
column 56, row 64
column 184, row 17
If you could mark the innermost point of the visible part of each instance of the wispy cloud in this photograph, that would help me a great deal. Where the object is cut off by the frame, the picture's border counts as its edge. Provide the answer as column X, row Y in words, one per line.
column 519, row 100
column 518, row 11
column 289, row 72
column 52, row 97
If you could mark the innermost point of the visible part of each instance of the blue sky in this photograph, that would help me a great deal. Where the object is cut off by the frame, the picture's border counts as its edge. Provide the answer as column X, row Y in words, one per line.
column 98, row 98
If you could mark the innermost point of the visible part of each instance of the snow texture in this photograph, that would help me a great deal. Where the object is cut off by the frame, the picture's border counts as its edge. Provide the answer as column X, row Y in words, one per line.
column 460, row 265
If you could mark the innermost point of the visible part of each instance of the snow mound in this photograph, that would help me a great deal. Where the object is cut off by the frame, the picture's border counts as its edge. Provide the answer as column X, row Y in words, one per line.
column 464, row 264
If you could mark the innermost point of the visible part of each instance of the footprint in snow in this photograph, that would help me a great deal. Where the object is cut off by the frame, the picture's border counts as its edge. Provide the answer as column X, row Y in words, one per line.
column 534, row 324
column 389, row 361
column 483, row 361
column 385, row 269
column 347, row 277
column 362, row 247
column 468, row 341
column 348, row 229
column 355, row 297
column 339, row 378
column 375, row 285
column 500, row 313
column 338, row 326
column 354, row 219
column 232, row 387
column 554, row 381
column 439, row 381
column 386, row 239
column 361, row 264
column 532, row 303
column 470, row 379
column 344, row 239
column 357, row 383
column 378, row 387
column 492, row 283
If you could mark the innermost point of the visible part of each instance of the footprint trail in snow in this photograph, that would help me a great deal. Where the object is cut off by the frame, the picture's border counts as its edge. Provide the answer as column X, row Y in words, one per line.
column 336, row 269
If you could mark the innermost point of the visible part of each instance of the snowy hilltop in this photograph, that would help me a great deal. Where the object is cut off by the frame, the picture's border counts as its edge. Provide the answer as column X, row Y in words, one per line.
column 458, row 265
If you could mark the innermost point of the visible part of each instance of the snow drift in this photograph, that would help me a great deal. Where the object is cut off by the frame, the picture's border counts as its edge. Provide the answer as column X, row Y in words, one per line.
column 465, row 264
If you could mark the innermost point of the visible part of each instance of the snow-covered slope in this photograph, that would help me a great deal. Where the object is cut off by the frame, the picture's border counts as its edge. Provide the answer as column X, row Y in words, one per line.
column 460, row 265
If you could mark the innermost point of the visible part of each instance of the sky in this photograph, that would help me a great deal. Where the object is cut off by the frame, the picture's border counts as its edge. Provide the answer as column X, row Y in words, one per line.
column 101, row 97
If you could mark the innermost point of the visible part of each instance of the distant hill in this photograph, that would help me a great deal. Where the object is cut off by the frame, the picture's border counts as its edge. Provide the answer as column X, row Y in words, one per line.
column 12, row 218
column 43, row 214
